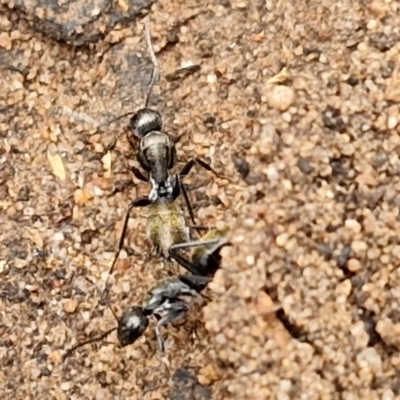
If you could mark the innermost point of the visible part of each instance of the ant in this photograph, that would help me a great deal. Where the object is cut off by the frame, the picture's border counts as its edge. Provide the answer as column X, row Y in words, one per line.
column 157, row 152
column 157, row 156
column 169, row 301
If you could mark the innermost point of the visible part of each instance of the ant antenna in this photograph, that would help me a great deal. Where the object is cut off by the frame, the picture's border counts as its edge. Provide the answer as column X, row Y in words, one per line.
column 107, row 303
column 97, row 338
column 81, row 344
column 154, row 75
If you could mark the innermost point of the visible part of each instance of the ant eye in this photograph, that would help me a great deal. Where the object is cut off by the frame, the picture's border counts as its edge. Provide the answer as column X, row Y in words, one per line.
column 146, row 121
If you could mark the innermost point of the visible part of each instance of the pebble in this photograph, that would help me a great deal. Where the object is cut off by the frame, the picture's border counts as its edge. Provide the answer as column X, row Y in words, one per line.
column 282, row 239
column 198, row 138
column 389, row 332
column 354, row 265
column 359, row 246
column 392, row 122
column 353, row 224
column 369, row 358
column 5, row 41
column 66, row 386
column 279, row 97
column 70, row 306
column 81, row 196
column 58, row 237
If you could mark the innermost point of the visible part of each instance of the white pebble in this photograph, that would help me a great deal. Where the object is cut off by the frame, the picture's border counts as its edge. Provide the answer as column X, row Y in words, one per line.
column 58, row 237
column 369, row 358
column 392, row 122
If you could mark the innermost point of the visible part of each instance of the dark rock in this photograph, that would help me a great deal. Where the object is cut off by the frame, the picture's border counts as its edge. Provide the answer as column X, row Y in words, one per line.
column 187, row 387
column 79, row 22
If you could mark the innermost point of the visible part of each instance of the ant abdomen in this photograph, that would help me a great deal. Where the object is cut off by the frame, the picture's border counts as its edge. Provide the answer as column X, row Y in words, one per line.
column 145, row 121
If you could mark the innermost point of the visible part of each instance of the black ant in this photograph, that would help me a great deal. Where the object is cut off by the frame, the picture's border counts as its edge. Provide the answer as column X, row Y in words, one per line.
column 157, row 156
column 169, row 300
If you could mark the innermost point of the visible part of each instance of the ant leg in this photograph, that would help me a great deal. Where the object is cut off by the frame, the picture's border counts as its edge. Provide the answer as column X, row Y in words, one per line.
column 182, row 73
column 187, row 168
column 199, row 227
column 121, row 187
column 195, row 282
column 176, row 139
column 187, row 201
column 140, row 202
column 138, row 174
column 105, row 301
column 197, row 243
column 160, row 339
column 189, row 165
column 175, row 312
column 184, row 262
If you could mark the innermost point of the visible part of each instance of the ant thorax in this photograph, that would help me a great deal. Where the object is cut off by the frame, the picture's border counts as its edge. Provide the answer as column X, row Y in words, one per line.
column 156, row 155
column 171, row 289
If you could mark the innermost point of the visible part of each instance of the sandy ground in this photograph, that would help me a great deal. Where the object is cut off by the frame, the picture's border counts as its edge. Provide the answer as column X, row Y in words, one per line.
column 297, row 102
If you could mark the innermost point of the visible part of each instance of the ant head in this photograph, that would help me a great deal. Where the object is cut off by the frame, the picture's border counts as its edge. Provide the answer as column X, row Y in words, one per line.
column 132, row 325
column 145, row 121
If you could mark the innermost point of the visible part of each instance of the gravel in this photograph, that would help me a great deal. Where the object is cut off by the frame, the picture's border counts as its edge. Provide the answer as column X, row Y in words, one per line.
column 295, row 102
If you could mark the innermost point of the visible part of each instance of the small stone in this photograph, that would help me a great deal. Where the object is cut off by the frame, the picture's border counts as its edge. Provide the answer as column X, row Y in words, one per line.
column 282, row 239
column 209, row 374
column 250, row 260
column 198, row 138
column 58, row 237
column 264, row 304
column 359, row 246
column 279, row 97
column 387, row 395
column 242, row 166
column 348, row 149
column 282, row 76
column 353, row 224
column 372, row 24
column 373, row 253
column 56, row 162
column 379, row 7
column 101, row 183
column 66, row 386
column 359, row 333
column 211, row 78
column 369, row 358
column 5, row 41
column 389, row 332
column 304, row 166
column 344, row 288
column 392, row 122
column 70, row 306
column 325, row 171
column 354, row 265
column 323, row 58
column 82, row 196
column 107, row 161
